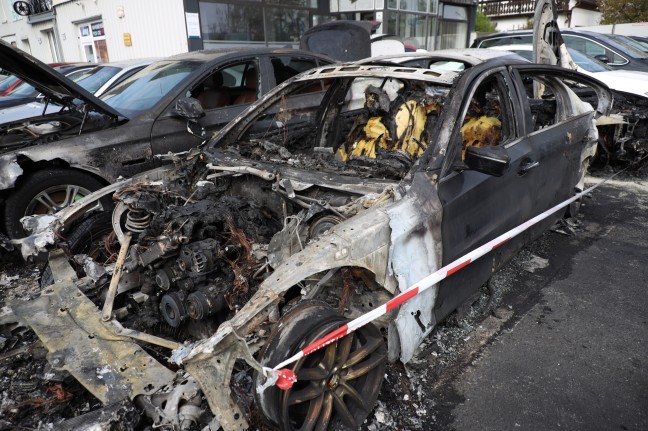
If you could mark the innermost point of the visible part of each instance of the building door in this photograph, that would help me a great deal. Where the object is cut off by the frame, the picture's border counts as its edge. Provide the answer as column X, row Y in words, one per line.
column 92, row 37
column 51, row 41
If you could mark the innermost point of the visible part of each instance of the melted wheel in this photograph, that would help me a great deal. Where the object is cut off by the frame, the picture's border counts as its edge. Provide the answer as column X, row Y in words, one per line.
column 337, row 385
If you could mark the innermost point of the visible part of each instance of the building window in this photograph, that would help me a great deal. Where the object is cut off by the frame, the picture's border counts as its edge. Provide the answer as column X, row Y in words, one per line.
column 453, row 27
column 25, row 45
column 51, row 41
column 236, row 22
column 414, row 5
column 268, row 22
column 286, row 25
column 412, row 30
column 92, row 37
column 289, row 3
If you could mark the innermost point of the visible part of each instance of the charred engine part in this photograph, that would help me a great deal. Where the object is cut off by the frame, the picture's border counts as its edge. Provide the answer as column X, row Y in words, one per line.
column 179, row 407
column 623, row 134
column 204, row 302
column 121, row 415
column 173, row 309
column 199, row 257
column 193, row 262
column 322, row 224
column 138, row 207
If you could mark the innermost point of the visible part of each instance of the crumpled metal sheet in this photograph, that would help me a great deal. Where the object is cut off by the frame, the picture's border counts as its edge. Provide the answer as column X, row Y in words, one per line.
column 112, row 367
column 10, row 170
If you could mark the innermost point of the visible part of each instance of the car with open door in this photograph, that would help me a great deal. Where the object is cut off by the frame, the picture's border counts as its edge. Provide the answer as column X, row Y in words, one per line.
column 50, row 161
column 609, row 49
column 296, row 217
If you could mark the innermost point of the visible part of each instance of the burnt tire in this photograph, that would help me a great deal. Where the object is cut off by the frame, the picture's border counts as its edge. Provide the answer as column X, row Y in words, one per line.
column 337, row 386
column 85, row 238
column 45, row 192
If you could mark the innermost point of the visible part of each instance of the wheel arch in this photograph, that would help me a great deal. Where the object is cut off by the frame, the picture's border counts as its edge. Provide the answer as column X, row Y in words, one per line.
column 30, row 166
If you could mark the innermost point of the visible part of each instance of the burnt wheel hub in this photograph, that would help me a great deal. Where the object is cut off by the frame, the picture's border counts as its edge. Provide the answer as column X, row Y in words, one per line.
column 336, row 385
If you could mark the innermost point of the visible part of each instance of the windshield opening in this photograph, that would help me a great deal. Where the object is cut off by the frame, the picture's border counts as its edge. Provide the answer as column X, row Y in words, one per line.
column 367, row 127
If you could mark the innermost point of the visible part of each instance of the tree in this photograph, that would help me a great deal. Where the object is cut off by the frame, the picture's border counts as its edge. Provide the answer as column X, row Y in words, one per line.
column 483, row 24
column 622, row 11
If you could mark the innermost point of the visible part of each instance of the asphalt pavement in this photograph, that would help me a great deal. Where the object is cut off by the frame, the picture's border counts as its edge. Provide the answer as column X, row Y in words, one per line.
column 575, row 356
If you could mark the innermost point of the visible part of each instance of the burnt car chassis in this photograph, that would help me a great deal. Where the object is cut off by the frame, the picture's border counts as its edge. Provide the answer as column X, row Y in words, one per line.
column 291, row 221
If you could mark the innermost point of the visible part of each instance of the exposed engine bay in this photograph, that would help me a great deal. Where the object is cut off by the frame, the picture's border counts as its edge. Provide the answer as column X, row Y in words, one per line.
column 37, row 131
column 197, row 258
column 626, row 142
column 191, row 252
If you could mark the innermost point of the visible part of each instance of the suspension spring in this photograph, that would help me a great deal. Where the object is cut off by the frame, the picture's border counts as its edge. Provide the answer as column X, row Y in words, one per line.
column 137, row 220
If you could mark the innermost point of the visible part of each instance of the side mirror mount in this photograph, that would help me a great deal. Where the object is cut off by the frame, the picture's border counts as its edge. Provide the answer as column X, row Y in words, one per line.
column 601, row 57
column 194, row 128
column 492, row 161
column 188, row 108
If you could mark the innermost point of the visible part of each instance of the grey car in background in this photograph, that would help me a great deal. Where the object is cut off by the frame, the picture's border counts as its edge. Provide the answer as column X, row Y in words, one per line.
column 609, row 49
column 50, row 161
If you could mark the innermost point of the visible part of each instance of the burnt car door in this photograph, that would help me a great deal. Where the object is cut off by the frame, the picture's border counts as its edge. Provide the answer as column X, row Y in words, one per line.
column 547, row 150
column 478, row 206
column 223, row 92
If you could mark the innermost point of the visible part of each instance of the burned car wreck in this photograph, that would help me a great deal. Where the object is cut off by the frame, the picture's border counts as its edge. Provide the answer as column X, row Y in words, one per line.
column 294, row 219
column 623, row 134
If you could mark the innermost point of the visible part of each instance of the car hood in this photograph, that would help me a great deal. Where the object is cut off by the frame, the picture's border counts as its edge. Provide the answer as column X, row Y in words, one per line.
column 627, row 81
column 49, row 82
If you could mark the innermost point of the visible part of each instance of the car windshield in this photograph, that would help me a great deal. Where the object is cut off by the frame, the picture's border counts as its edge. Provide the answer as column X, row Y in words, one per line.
column 93, row 79
column 8, row 82
column 147, row 87
column 621, row 42
column 24, row 90
column 632, row 43
column 587, row 63
column 507, row 40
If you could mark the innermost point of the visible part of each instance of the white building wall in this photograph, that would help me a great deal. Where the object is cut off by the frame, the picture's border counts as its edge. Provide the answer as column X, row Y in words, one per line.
column 157, row 27
column 512, row 23
column 630, row 29
column 582, row 17
column 30, row 38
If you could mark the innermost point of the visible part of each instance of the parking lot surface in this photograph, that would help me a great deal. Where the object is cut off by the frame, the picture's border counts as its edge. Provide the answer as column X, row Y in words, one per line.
column 577, row 359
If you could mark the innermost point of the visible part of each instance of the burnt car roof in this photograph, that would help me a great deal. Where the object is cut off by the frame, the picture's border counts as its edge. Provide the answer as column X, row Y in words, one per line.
column 51, row 83
column 473, row 56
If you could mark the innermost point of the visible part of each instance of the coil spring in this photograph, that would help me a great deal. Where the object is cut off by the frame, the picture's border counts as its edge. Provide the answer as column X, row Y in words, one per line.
column 137, row 220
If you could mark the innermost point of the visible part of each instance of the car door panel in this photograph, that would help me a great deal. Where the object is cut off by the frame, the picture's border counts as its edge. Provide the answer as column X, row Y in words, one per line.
column 169, row 132
column 477, row 208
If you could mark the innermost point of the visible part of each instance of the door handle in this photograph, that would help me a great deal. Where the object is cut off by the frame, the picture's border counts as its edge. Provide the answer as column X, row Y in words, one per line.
column 527, row 166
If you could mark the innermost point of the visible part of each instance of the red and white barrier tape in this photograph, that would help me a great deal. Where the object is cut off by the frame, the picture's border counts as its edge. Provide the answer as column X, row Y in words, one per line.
column 286, row 378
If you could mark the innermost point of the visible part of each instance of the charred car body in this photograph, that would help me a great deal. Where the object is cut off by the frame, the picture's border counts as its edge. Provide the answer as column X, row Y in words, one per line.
column 294, row 219
column 623, row 135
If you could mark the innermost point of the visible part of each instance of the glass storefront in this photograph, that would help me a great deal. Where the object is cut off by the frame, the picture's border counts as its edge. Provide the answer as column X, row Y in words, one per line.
column 263, row 22
column 425, row 24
